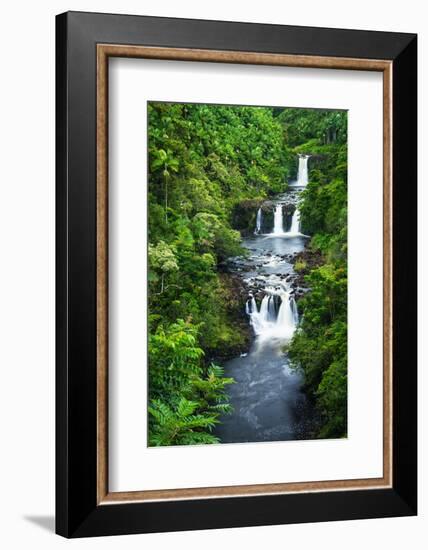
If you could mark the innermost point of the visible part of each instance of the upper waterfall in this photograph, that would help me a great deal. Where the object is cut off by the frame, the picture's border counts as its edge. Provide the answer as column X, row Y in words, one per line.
column 295, row 222
column 302, row 174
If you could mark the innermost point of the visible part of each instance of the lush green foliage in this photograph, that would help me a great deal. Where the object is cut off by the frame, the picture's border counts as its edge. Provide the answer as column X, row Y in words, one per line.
column 319, row 347
column 207, row 163
column 203, row 160
column 185, row 399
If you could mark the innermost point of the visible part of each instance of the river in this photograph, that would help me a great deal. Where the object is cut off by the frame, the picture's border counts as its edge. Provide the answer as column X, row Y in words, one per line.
column 268, row 398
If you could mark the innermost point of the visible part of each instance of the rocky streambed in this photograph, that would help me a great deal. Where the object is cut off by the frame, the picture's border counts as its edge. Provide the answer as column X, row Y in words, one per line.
column 268, row 397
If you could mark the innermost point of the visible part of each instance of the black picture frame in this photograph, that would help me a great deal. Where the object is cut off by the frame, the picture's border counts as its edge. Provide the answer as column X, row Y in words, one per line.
column 77, row 512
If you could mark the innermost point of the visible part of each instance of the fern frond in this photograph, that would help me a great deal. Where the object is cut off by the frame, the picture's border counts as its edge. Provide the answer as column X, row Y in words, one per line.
column 199, row 438
column 199, row 421
column 186, row 408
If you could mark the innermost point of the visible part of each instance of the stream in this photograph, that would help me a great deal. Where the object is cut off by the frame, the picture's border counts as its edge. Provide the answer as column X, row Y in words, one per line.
column 267, row 397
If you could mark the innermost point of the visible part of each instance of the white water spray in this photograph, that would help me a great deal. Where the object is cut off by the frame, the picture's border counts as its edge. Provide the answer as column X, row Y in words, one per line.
column 278, row 223
column 271, row 322
column 278, row 227
column 287, row 315
column 302, row 174
column 295, row 222
column 258, row 222
column 251, row 306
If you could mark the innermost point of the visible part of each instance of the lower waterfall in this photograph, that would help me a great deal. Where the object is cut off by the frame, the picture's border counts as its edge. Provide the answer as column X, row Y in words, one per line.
column 278, row 223
column 302, row 173
column 277, row 316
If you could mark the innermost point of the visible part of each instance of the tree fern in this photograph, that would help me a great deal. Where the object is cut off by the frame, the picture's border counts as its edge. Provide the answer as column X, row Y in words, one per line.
column 180, row 426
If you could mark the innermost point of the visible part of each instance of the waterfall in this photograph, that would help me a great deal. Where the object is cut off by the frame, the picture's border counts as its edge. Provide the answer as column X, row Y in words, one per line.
column 278, row 227
column 295, row 222
column 295, row 311
column 278, row 223
column 271, row 308
column 264, row 309
column 267, row 323
column 287, row 318
column 258, row 222
column 251, row 306
column 302, row 174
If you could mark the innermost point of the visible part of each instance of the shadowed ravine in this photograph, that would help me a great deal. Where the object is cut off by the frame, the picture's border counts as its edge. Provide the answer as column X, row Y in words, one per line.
column 268, row 401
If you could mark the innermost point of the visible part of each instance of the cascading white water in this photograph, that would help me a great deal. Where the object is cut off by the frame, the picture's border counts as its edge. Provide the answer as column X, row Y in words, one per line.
column 271, row 308
column 295, row 311
column 251, row 306
column 302, row 174
column 278, row 222
column 278, row 227
column 286, row 314
column 268, row 323
column 295, row 222
column 258, row 222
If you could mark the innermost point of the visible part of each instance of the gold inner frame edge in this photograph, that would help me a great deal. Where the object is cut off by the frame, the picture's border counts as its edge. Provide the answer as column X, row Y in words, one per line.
column 104, row 51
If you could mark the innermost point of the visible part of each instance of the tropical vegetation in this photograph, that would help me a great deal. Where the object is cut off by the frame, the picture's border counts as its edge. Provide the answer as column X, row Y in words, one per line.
column 209, row 165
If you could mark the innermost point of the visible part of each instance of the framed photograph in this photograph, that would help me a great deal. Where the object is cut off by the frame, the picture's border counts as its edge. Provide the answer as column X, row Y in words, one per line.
column 236, row 274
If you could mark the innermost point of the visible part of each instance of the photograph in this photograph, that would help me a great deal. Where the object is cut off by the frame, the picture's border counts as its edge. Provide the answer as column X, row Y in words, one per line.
column 247, row 273
column 212, row 275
